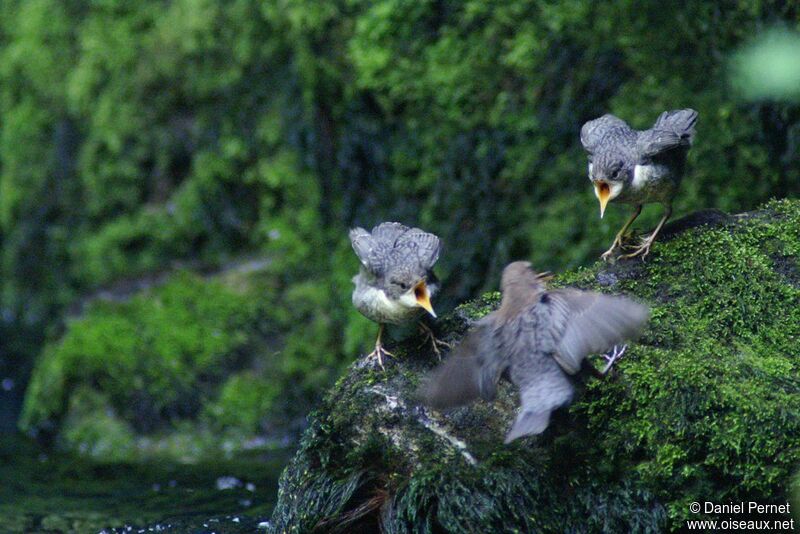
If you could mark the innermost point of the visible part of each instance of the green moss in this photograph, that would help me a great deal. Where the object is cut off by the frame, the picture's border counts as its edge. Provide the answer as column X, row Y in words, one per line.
column 242, row 401
column 92, row 427
column 710, row 400
column 153, row 361
column 706, row 406
column 478, row 308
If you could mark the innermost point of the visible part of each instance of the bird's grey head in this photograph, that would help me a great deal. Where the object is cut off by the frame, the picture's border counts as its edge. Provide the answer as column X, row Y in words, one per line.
column 521, row 285
column 517, row 273
column 609, row 173
column 611, row 145
column 408, row 285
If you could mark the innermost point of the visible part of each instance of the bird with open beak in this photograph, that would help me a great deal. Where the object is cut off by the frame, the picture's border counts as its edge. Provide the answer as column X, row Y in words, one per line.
column 395, row 282
column 538, row 338
column 638, row 167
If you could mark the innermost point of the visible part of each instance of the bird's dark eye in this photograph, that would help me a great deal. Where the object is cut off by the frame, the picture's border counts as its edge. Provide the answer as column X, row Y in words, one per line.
column 403, row 285
column 615, row 173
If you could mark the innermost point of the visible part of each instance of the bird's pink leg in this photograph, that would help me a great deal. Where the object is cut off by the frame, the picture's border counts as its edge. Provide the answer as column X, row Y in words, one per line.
column 621, row 234
column 613, row 357
column 379, row 351
column 432, row 338
column 644, row 248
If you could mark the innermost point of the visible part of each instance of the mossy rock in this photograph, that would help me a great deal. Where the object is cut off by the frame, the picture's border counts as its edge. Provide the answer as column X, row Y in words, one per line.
column 705, row 407
column 178, row 370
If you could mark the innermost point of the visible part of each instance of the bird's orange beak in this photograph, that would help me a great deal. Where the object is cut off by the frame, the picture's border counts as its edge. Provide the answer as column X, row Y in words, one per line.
column 423, row 297
column 602, row 191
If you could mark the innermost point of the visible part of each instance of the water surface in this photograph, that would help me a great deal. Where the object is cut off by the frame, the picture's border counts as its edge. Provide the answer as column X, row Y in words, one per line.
column 43, row 491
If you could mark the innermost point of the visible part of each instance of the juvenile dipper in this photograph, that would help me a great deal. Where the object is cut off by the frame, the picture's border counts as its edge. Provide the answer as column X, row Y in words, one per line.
column 537, row 338
column 395, row 282
column 638, row 167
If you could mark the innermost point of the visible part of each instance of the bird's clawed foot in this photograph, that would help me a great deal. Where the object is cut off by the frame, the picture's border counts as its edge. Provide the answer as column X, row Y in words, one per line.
column 379, row 351
column 378, row 354
column 646, row 242
column 643, row 249
column 619, row 238
column 611, row 357
column 608, row 254
column 435, row 343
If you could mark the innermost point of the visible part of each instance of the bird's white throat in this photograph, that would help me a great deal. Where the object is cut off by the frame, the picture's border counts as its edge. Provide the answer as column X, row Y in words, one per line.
column 409, row 299
column 641, row 174
column 376, row 305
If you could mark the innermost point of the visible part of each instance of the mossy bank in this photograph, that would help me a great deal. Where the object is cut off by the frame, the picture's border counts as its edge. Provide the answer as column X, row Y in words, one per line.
column 189, row 368
column 705, row 407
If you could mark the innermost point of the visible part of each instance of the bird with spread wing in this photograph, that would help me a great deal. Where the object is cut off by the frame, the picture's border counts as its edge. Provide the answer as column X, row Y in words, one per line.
column 638, row 167
column 395, row 282
column 538, row 338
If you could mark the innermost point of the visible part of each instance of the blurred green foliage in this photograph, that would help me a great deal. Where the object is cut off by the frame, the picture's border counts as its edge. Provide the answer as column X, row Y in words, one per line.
column 769, row 67
column 138, row 135
column 188, row 368
column 153, row 359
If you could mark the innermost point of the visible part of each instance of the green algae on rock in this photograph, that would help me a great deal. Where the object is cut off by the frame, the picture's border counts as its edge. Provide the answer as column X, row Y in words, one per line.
column 705, row 407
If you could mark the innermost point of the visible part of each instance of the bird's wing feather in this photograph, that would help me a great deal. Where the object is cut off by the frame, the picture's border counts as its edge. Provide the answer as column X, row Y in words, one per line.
column 389, row 232
column 363, row 244
column 375, row 249
column 373, row 254
column 471, row 371
column 673, row 129
column 425, row 246
column 594, row 131
column 540, row 393
column 586, row 322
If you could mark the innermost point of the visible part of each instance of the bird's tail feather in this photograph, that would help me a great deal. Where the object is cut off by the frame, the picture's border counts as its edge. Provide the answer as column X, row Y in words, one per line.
column 362, row 244
column 680, row 122
column 389, row 232
column 528, row 422
column 454, row 383
column 673, row 129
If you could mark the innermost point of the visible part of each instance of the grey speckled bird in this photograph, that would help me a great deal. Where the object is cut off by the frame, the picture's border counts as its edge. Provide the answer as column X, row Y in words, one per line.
column 395, row 282
column 537, row 338
column 638, row 167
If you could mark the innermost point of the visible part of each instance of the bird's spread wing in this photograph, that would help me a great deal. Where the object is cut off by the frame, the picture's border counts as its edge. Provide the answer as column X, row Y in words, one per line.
column 389, row 232
column 425, row 246
column 585, row 322
column 362, row 244
column 540, row 393
column 372, row 253
column 374, row 249
column 593, row 132
column 673, row 129
column 471, row 371
column 392, row 242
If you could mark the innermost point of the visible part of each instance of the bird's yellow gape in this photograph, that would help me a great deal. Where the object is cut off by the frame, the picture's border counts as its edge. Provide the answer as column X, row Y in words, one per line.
column 423, row 297
column 603, row 192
